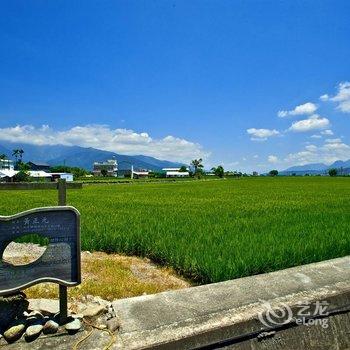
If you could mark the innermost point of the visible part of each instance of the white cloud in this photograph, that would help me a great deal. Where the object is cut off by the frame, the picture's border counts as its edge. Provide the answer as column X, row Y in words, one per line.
column 304, row 109
column 311, row 148
column 272, row 159
column 123, row 141
column 329, row 152
column 342, row 97
column 316, row 136
column 261, row 134
column 315, row 122
column 327, row 132
column 333, row 140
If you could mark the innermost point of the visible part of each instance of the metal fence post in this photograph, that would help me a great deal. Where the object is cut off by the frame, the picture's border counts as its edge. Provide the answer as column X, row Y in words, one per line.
column 63, row 295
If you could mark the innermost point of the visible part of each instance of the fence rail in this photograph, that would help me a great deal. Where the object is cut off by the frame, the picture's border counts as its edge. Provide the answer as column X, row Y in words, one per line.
column 37, row 185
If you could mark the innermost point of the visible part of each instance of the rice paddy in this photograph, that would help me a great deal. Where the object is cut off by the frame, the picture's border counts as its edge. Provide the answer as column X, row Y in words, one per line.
column 212, row 230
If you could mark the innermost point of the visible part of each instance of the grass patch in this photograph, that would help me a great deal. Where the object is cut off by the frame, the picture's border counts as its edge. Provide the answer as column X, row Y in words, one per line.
column 112, row 277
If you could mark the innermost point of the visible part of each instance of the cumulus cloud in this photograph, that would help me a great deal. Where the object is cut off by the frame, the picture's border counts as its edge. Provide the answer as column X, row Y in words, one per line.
column 304, row 109
column 272, row 159
column 342, row 97
column 261, row 134
column 123, row 141
column 329, row 152
column 315, row 122
column 316, row 136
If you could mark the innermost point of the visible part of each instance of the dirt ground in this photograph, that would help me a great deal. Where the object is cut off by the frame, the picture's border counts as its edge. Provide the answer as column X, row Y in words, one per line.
column 109, row 276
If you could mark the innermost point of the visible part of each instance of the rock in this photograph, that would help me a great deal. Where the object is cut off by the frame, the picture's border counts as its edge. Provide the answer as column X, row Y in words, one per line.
column 50, row 327
column 110, row 312
column 11, row 307
column 113, row 324
column 93, row 310
column 73, row 326
column 33, row 332
column 15, row 332
column 44, row 306
column 35, row 317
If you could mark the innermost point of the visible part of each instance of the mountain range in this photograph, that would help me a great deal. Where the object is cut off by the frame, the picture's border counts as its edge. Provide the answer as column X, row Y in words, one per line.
column 317, row 168
column 82, row 157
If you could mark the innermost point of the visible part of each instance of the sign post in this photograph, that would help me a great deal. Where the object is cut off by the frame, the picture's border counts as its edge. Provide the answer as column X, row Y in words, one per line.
column 60, row 263
column 63, row 293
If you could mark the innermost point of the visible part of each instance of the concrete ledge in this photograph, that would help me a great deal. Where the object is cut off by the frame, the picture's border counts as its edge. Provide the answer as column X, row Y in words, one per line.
column 227, row 313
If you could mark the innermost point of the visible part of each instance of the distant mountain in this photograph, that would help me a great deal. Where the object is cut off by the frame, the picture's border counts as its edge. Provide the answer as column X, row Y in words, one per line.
column 158, row 163
column 308, row 167
column 340, row 164
column 83, row 157
column 318, row 168
column 5, row 151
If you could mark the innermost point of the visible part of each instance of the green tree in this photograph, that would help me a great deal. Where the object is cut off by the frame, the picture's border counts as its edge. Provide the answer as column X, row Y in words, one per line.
column 21, row 176
column 333, row 172
column 273, row 172
column 183, row 169
column 77, row 172
column 3, row 156
column 218, row 171
column 198, row 166
column 104, row 172
column 18, row 154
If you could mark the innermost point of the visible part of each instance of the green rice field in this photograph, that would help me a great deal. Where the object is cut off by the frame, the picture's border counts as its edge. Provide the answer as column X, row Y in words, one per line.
column 211, row 230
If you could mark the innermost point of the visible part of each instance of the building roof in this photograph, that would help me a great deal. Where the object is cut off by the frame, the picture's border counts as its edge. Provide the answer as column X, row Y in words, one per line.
column 38, row 173
column 32, row 173
column 141, row 172
column 181, row 173
column 7, row 172
column 171, row 169
column 60, row 174
column 39, row 163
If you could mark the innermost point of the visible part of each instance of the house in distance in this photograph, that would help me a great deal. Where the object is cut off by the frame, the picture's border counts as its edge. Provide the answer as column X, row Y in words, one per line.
column 175, row 172
column 109, row 166
column 37, row 166
column 6, row 164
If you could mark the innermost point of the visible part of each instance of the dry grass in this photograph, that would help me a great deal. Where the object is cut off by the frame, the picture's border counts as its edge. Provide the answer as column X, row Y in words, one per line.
column 113, row 276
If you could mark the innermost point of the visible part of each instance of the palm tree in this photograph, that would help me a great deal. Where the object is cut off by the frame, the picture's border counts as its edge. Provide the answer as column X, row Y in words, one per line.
column 197, row 164
column 20, row 154
column 15, row 153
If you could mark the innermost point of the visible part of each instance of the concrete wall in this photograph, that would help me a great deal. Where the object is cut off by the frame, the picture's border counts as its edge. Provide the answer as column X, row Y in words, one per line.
column 226, row 315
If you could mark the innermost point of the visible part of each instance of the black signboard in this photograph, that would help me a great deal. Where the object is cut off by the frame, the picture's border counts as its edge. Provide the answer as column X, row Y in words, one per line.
column 60, row 263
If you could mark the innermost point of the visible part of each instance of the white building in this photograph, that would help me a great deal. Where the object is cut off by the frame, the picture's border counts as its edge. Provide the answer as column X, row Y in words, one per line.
column 7, row 175
column 110, row 165
column 65, row 176
column 39, row 175
column 175, row 172
column 6, row 164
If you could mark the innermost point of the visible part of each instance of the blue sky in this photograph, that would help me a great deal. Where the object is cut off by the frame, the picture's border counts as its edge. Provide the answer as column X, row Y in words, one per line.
column 180, row 79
